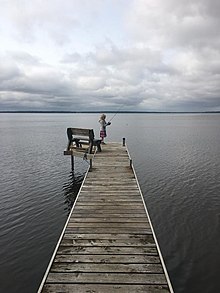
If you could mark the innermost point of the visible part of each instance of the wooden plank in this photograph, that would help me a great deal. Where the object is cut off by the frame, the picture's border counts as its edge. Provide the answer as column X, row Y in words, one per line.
column 120, row 188
column 107, row 250
column 107, row 188
column 109, row 203
column 108, row 183
column 109, row 196
column 110, row 170
column 118, row 236
column 86, row 213
column 106, row 219
column 110, row 191
column 114, row 163
column 108, row 258
column 108, row 225
column 127, row 174
column 106, row 268
column 120, row 158
column 108, row 230
column 108, row 178
column 104, row 288
column 107, row 193
column 106, row 242
column 119, row 204
column 114, row 278
column 109, row 200
column 102, row 209
column 111, row 208
column 101, row 200
column 141, row 237
column 115, row 190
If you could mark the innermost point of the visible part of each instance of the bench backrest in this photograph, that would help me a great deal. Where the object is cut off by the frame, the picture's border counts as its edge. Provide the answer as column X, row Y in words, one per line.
column 89, row 133
column 82, row 132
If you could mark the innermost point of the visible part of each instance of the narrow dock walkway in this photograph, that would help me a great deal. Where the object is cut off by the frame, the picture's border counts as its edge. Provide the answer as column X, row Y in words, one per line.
column 107, row 244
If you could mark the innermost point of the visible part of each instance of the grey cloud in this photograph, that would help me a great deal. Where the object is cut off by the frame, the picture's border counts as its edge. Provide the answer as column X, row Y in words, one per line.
column 155, row 84
column 211, row 104
column 52, row 19
column 170, row 60
column 71, row 58
column 8, row 72
column 175, row 23
column 24, row 58
column 29, row 20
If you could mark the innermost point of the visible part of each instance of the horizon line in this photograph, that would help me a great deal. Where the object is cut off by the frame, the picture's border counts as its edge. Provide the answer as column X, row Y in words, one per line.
column 122, row 112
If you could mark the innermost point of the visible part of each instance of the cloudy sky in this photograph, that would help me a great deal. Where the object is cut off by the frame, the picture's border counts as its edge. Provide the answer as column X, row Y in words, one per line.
column 145, row 55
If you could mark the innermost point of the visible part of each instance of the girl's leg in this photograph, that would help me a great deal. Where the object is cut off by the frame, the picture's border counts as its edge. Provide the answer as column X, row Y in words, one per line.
column 102, row 135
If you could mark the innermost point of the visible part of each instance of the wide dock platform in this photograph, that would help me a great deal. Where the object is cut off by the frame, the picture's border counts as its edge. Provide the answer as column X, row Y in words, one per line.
column 108, row 243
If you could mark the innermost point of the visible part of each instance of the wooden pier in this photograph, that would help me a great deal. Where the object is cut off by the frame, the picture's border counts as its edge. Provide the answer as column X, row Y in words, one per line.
column 108, row 244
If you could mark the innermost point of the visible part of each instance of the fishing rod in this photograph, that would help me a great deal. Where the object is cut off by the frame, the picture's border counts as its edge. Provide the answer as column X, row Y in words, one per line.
column 116, row 112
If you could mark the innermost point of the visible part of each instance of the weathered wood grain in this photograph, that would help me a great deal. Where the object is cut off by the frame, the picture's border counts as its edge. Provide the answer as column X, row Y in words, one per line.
column 108, row 219
column 107, row 278
column 107, row 258
column 108, row 225
column 67, row 241
column 104, row 288
column 106, row 268
column 112, row 236
column 108, row 230
column 85, row 213
column 107, row 250
column 93, row 199
column 117, row 204
column 105, row 211
column 111, row 207
column 111, row 192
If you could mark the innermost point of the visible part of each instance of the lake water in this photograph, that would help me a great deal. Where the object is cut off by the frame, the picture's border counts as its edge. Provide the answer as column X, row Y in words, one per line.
column 177, row 160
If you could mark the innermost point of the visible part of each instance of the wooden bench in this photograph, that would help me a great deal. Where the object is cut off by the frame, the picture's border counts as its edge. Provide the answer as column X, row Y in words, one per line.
column 78, row 137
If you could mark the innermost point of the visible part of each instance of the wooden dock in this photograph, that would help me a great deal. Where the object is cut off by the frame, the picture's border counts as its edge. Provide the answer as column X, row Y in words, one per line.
column 108, row 243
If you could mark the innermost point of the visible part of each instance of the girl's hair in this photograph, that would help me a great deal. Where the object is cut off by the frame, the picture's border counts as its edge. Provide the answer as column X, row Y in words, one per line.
column 102, row 117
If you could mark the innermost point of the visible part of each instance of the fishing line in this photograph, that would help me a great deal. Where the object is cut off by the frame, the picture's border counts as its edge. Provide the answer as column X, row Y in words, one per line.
column 116, row 112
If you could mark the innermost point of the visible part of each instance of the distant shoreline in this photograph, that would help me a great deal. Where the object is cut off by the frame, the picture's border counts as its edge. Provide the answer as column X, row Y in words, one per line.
column 119, row 112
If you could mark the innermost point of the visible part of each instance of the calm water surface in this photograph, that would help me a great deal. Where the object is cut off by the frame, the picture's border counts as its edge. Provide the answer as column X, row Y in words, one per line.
column 177, row 160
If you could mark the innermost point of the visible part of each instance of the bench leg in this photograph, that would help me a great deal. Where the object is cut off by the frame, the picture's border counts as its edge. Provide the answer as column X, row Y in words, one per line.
column 99, row 147
column 97, row 143
column 90, row 165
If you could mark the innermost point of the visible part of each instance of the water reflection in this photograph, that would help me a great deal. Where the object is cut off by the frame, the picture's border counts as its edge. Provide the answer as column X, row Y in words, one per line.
column 71, row 188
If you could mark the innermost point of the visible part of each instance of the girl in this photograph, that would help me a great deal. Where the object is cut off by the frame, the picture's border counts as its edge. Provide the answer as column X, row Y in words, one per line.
column 103, row 127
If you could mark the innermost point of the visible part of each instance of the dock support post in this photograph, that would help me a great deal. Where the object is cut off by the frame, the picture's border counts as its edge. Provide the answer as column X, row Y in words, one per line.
column 90, row 163
column 72, row 163
column 123, row 141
